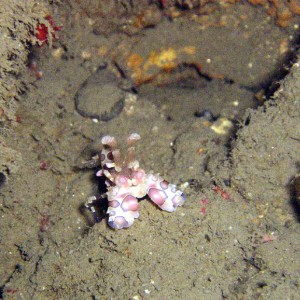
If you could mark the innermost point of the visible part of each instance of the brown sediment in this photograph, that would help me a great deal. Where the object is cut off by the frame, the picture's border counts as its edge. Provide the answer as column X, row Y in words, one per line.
column 18, row 29
column 198, row 74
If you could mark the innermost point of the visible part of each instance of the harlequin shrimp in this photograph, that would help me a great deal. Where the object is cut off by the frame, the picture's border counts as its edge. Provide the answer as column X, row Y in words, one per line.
column 126, row 183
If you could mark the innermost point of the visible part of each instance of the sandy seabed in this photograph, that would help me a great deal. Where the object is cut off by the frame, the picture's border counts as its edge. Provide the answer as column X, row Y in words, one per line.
column 191, row 92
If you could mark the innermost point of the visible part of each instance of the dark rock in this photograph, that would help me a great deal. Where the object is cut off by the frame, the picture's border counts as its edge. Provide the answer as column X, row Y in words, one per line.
column 99, row 96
